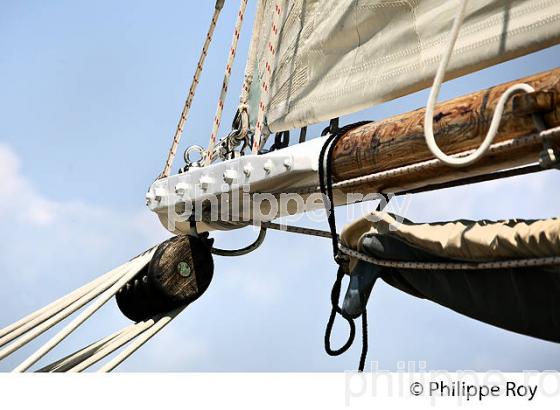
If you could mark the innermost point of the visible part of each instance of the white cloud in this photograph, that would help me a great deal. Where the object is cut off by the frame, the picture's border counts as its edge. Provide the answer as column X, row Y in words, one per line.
column 50, row 247
column 17, row 197
column 70, row 224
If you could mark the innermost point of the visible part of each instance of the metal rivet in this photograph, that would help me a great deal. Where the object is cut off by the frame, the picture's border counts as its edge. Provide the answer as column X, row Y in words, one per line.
column 184, row 269
column 205, row 182
column 149, row 198
column 181, row 188
column 229, row 176
column 268, row 166
column 247, row 169
column 159, row 193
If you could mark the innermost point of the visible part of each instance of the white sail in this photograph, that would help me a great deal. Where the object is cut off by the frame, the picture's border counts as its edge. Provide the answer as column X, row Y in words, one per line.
column 335, row 57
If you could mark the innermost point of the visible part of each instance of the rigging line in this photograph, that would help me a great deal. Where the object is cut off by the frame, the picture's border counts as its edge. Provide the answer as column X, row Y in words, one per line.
column 225, row 83
column 242, row 251
column 297, row 229
column 270, row 62
column 112, row 345
column 434, row 163
column 47, row 324
column 188, row 102
column 69, row 361
column 434, row 93
column 504, row 264
column 249, row 70
column 495, row 148
column 133, row 268
column 25, row 324
column 140, row 340
column 529, row 169
column 55, row 306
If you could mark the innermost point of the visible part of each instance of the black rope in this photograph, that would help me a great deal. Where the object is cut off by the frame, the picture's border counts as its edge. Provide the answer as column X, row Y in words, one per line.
column 325, row 183
column 363, row 356
column 281, row 140
column 242, row 251
column 335, row 296
column 302, row 134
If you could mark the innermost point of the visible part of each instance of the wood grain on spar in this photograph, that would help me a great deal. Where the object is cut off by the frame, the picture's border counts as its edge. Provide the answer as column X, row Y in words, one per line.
column 460, row 124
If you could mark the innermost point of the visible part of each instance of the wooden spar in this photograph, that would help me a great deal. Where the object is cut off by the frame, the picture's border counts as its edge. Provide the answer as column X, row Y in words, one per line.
column 460, row 124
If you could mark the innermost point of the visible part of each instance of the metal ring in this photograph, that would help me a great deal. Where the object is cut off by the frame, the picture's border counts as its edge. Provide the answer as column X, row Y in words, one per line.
column 190, row 150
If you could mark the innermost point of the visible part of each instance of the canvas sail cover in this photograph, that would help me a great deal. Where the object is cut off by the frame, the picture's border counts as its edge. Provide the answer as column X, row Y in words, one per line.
column 335, row 57
column 521, row 299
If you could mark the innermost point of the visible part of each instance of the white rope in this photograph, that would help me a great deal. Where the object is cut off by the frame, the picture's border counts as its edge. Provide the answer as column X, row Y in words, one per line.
column 55, row 306
column 496, row 148
column 80, row 355
column 63, row 314
column 434, row 93
column 140, row 340
column 113, row 344
column 225, row 83
column 270, row 62
column 190, row 96
column 132, row 268
column 40, row 316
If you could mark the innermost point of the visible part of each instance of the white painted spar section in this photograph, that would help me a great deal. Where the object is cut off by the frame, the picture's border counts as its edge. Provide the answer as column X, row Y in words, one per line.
column 275, row 172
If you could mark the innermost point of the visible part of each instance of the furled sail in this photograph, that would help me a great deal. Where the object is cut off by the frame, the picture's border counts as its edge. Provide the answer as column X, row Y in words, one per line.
column 519, row 293
column 334, row 57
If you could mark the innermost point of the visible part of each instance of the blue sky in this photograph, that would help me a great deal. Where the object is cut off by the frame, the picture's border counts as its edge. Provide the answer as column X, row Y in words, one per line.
column 90, row 93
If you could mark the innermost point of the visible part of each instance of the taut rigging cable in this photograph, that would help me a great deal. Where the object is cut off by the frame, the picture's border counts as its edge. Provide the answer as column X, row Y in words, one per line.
column 188, row 102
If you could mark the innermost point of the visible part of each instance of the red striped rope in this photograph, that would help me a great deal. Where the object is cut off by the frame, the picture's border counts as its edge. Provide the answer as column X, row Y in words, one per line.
column 225, row 83
column 192, row 90
column 265, row 85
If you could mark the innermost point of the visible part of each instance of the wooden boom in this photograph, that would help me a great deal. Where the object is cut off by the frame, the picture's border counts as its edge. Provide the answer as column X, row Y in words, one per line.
column 460, row 124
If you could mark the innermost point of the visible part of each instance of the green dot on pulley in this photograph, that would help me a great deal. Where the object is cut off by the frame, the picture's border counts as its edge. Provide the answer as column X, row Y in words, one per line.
column 184, row 269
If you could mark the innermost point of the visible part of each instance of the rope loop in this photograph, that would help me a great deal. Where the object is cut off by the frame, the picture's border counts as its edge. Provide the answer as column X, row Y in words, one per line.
column 325, row 182
column 335, row 296
column 434, row 93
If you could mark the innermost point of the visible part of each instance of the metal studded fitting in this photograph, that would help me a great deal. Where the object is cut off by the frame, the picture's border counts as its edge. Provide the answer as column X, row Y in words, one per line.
column 159, row 193
column 181, row 188
column 247, row 169
column 268, row 166
column 205, row 182
column 229, row 176
column 150, row 197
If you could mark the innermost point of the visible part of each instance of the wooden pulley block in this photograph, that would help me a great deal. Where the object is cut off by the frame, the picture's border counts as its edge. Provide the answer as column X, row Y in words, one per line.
column 179, row 273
